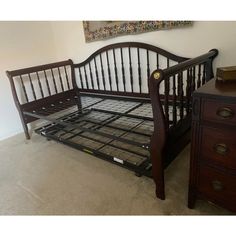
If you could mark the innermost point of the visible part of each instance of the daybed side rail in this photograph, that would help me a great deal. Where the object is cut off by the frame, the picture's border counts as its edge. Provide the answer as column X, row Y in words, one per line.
column 41, row 87
column 122, row 68
column 171, row 91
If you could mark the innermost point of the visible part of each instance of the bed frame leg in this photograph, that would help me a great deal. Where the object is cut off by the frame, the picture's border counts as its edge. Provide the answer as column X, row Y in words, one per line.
column 160, row 187
column 158, row 171
column 27, row 136
column 138, row 174
column 26, row 130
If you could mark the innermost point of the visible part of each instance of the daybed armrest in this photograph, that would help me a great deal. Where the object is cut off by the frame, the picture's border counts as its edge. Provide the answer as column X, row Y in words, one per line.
column 170, row 92
column 173, row 87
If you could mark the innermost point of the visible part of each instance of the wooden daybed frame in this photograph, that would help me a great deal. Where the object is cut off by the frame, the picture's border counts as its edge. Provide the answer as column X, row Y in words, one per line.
column 128, row 103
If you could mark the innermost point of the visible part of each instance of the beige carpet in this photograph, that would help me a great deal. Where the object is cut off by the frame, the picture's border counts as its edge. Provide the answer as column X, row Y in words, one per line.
column 40, row 177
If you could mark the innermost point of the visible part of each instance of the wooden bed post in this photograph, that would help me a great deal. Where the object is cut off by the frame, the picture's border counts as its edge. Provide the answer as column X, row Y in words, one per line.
column 158, row 139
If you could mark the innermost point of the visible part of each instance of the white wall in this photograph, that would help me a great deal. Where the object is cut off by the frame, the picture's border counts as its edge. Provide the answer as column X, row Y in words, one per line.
column 189, row 41
column 24, row 44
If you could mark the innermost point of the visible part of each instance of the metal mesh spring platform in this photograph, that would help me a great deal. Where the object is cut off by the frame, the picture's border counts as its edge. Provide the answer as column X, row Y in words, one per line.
column 115, row 130
column 107, row 128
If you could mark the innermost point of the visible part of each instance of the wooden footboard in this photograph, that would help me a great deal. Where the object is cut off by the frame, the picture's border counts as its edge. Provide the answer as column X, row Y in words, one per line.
column 173, row 87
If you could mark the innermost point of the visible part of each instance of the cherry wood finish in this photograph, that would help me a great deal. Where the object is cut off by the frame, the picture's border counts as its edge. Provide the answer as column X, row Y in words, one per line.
column 124, row 70
column 213, row 148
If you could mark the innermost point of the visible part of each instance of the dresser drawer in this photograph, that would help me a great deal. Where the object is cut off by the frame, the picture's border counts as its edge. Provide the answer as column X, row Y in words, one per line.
column 219, row 111
column 218, row 186
column 218, row 145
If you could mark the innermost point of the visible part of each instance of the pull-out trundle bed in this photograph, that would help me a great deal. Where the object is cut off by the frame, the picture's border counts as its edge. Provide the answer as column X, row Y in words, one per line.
column 128, row 103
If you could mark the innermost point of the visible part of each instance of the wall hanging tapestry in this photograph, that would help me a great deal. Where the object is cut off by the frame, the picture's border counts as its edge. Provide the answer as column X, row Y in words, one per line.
column 98, row 30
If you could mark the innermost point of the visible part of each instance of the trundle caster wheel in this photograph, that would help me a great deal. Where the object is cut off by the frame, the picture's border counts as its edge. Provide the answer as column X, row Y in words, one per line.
column 138, row 174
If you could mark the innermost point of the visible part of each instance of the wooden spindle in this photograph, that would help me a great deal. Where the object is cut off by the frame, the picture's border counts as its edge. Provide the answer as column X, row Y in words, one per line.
column 47, row 83
column 53, row 79
column 148, row 65
column 174, row 101
column 139, row 72
column 123, row 69
column 199, row 76
column 102, row 72
column 168, row 62
column 96, row 72
column 157, row 61
column 81, row 78
column 109, row 71
column 181, row 95
column 131, row 71
column 86, row 78
column 188, row 92
column 32, row 86
column 24, row 89
column 166, row 99
column 40, row 85
column 115, row 69
column 60, row 78
column 91, row 75
column 193, row 78
column 67, row 78
column 148, row 69
column 204, row 74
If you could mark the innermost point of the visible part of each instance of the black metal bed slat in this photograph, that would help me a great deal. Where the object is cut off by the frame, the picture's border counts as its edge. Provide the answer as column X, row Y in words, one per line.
column 110, row 125
column 126, row 115
column 106, row 157
column 65, row 124
column 141, row 157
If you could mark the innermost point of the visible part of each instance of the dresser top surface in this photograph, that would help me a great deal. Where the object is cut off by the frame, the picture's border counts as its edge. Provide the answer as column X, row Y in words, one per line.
column 216, row 88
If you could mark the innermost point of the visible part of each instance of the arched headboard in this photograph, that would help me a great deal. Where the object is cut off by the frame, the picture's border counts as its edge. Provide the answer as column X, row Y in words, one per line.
column 122, row 68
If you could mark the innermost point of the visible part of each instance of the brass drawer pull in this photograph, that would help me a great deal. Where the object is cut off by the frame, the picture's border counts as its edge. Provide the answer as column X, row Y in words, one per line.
column 221, row 148
column 217, row 185
column 225, row 112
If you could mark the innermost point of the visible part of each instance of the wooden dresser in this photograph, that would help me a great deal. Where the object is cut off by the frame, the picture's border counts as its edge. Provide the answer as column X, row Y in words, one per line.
column 213, row 145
